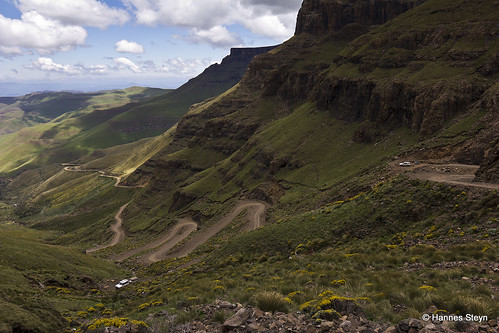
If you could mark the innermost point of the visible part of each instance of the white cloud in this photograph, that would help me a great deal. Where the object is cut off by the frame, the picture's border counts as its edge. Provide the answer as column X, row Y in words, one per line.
column 33, row 31
column 217, row 36
column 48, row 65
column 76, row 12
column 186, row 13
column 170, row 67
column 125, row 63
column 275, row 19
column 124, row 46
column 9, row 51
column 269, row 25
column 176, row 66
column 180, row 66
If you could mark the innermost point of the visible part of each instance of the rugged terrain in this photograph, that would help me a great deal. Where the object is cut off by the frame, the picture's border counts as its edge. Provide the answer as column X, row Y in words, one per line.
column 310, row 139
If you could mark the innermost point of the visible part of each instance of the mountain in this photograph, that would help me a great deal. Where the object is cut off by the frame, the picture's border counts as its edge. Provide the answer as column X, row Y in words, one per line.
column 336, row 178
column 63, row 126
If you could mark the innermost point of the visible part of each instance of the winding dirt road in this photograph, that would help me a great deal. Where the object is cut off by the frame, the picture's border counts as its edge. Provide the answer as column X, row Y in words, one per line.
column 77, row 168
column 164, row 245
column 117, row 229
column 255, row 216
column 452, row 173
column 166, row 242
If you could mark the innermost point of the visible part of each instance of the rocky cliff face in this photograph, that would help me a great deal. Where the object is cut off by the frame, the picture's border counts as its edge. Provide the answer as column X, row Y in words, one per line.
column 226, row 74
column 419, row 76
column 319, row 17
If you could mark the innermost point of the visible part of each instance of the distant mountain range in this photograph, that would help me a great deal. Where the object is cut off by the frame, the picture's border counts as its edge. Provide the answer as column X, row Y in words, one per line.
column 66, row 125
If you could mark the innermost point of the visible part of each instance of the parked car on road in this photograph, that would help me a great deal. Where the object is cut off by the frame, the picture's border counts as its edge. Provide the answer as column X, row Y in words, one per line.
column 405, row 163
column 123, row 283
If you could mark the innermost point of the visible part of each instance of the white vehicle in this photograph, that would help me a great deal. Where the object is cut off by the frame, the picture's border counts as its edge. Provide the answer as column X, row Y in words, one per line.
column 405, row 163
column 123, row 283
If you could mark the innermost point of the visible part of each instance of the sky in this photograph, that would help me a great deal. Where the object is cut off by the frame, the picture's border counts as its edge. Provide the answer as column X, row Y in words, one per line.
column 90, row 45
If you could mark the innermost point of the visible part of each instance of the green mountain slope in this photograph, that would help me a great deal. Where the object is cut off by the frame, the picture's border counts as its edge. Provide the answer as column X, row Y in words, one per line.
column 315, row 129
column 42, row 283
column 73, row 125
column 50, row 121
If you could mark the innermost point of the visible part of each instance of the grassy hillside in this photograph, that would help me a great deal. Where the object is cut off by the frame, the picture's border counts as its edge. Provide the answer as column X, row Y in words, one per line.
column 42, row 285
column 25, row 111
column 53, row 122
column 315, row 130
column 40, row 129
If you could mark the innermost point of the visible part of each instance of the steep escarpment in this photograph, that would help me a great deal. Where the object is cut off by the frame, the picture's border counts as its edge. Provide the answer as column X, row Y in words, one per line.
column 319, row 17
column 419, row 70
column 415, row 73
column 160, row 113
column 217, row 78
column 421, row 74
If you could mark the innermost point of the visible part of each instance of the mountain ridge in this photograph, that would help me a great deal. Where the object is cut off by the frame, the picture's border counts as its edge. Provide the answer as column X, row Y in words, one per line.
column 351, row 139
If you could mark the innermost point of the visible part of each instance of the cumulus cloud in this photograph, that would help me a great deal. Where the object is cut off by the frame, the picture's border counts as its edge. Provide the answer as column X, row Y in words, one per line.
column 180, row 66
column 275, row 19
column 217, row 36
column 10, row 51
column 34, row 31
column 169, row 67
column 125, row 63
column 76, row 12
column 48, row 65
column 124, row 46
column 48, row 26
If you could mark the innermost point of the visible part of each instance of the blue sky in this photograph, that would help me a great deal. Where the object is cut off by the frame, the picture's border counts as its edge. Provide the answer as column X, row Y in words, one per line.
column 95, row 44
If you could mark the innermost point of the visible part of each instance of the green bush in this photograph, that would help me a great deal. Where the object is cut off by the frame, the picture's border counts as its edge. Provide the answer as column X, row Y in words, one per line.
column 271, row 301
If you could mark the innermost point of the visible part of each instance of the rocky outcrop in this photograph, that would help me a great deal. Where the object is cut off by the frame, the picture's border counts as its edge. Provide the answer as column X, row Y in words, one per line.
column 489, row 169
column 424, row 109
column 319, row 17
column 221, row 76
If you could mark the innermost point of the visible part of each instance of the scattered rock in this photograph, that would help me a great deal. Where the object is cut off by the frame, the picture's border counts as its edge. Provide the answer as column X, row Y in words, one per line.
column 226, row 305
column 251, row 319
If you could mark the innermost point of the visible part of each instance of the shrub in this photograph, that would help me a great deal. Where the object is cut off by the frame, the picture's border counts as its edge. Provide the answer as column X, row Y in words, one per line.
column 337, row 283
column 271, row 301
column 144, row 306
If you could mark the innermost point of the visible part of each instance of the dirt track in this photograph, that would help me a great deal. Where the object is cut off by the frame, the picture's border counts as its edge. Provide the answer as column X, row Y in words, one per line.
column 117, row 229
column 453, row 174
column 175, row 235
column 255, row 216
column 178, row 233
column 164, row 245
column 77, row 168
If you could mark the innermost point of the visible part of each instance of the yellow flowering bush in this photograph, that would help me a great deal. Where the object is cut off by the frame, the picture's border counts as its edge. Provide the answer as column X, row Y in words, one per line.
column 218, row 289
column 337, row 283
column 327, row 303
column 143, row 306
column 427, row 288
column 114, row 322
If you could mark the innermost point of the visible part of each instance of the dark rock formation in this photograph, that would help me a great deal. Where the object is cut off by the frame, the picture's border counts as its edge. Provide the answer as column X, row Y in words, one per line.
column 489, row 169
column 221, row 77
column 423, row 109
column 319, row 17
